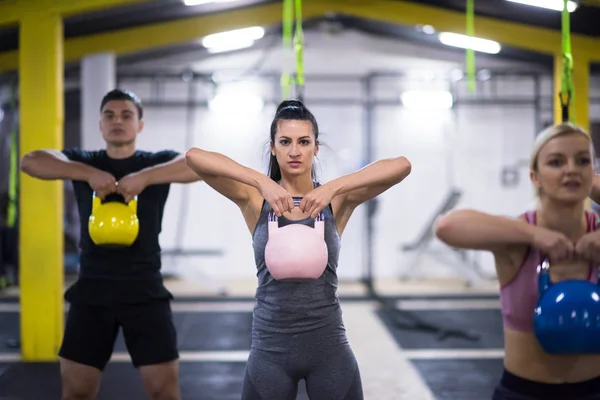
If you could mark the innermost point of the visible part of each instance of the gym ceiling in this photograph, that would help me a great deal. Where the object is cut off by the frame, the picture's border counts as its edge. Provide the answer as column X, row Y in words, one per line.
column 146, row 30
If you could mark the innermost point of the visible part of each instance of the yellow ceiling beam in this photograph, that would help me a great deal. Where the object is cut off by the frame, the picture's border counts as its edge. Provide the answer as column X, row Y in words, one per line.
column 11, row 11
column 163, row 34
column 511, row 34
column 131, row 40
column 67, row 8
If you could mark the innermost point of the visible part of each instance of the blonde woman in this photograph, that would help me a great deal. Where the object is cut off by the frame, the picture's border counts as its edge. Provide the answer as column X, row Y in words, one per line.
column 559, row 228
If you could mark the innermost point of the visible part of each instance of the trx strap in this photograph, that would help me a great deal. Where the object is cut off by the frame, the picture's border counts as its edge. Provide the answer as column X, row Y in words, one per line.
column 292, row 48
column 13, row 174
column 286, row 24
column 470, row 52
column 567, row 92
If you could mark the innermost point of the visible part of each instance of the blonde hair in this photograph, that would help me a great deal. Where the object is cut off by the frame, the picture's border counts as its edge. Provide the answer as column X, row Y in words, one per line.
column 550, row 133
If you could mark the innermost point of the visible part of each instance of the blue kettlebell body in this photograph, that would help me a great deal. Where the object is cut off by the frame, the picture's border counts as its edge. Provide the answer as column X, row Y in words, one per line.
column 567, row 315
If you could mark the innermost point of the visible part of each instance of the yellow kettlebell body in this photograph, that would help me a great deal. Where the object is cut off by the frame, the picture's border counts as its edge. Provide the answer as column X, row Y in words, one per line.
column 113, row 224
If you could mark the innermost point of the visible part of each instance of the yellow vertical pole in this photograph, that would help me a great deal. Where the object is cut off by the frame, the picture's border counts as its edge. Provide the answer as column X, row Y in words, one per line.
column 581, row 86
column 41, row 202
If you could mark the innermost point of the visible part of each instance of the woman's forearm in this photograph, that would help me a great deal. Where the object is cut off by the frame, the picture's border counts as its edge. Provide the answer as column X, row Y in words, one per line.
column 52, row 164
column 208, row 163
column 476, row 230
column 383, row 172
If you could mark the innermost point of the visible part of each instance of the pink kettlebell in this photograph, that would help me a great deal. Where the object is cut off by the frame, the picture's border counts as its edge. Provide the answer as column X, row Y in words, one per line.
column 296, row 251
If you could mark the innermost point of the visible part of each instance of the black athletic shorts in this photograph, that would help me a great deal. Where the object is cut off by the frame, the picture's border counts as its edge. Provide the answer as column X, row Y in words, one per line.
column 148, row 330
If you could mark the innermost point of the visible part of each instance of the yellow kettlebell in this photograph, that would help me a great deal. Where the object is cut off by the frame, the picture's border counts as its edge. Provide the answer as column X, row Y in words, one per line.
column 113, row 223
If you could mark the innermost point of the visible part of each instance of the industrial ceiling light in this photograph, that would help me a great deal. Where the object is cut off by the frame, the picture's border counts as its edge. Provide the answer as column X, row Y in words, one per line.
column 426, row 29
column 199, row 2
column 556, row 5
column 468, row 42
column 233, row 40
column 222, row 48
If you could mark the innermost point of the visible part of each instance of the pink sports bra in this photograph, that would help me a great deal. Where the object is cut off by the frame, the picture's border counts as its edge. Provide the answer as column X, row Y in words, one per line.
column 519, row 296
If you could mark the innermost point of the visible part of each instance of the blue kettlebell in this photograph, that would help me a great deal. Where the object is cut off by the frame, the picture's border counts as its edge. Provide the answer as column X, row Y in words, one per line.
column 567, row 316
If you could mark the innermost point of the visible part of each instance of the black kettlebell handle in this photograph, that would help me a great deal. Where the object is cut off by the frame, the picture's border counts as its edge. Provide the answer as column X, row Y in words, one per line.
column 272, row 217
column 113, row 197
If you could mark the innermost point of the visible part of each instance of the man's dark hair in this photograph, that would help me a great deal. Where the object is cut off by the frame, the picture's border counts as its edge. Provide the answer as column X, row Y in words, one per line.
column 120, row 94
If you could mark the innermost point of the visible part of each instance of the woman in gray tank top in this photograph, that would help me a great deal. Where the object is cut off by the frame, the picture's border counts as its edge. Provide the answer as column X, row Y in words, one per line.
column 297, row 331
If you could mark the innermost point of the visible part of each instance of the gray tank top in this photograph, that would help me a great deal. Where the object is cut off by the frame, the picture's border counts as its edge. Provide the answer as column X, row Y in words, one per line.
column 295, row 307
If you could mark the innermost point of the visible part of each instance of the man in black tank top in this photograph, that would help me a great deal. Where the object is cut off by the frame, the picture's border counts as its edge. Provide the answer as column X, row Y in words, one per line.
column 118, row 287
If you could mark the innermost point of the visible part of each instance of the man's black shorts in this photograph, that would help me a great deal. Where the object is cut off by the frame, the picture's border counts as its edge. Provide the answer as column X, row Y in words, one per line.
column 148, row 330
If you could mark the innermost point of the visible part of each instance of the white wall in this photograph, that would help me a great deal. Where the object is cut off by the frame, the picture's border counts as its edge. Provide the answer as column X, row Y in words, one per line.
column 476, row 141
column 213, row 222
column 465, row 149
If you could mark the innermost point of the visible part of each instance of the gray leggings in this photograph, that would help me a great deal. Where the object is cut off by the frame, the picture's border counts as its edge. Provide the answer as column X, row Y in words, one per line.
column 331, row 374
